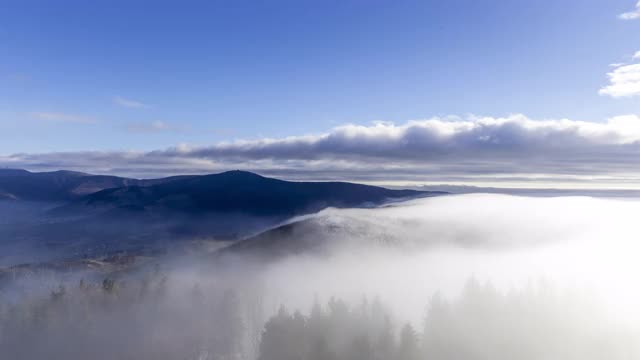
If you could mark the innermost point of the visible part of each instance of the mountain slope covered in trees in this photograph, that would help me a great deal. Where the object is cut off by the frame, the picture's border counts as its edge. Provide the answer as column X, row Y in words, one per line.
column 144, row 216
column 243, row 192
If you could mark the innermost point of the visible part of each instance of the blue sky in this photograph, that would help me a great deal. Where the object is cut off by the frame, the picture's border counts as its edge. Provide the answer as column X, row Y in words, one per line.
column 143, row 75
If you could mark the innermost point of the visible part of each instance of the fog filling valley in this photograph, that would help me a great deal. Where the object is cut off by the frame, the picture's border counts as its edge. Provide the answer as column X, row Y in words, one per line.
column 473, row 276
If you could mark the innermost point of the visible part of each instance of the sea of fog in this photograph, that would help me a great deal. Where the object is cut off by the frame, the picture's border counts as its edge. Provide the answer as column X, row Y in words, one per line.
column 521, row 277
column 406, row 252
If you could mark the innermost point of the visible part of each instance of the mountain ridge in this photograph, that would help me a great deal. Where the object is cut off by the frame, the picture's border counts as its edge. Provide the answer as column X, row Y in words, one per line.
column 149, row 215
column 62, row 185
column 241, row 192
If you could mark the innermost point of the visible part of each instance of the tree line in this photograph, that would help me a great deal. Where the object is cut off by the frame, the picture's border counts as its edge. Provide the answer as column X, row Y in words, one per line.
column 153, row 318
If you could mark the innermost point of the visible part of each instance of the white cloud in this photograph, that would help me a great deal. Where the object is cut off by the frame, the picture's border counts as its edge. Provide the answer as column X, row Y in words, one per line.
column 128, row 103
column 61, row 117
column 439, row 137
column 624, row 81
column 151, row 127
column 437, row 149
column 636, row 55
column 632, row 15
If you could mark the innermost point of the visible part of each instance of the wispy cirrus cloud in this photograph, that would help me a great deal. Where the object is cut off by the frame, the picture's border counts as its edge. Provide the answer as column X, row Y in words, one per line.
column 437, row 149
column 624, row 79
column 152, row 127
column 129, row 103
column 633, row 14
column 64, row 117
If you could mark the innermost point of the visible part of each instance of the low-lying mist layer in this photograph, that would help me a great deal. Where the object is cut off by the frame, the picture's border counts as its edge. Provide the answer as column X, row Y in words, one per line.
column 456, row 277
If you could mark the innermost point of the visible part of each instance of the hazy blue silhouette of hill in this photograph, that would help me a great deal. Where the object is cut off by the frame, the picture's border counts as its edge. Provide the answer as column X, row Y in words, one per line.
column 138, row 216
column 241, row 192
column 62, row 185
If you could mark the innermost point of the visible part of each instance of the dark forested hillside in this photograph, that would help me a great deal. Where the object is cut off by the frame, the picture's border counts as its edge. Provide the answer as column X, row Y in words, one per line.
column 244, row 192
column 235, row 191
column 92, row 216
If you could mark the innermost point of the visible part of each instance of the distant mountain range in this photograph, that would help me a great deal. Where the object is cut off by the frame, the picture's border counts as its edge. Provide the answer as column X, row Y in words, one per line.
column 63, row 185
column 228, row 192
column 232, row 191
column 239, row 192
column 89, row 215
